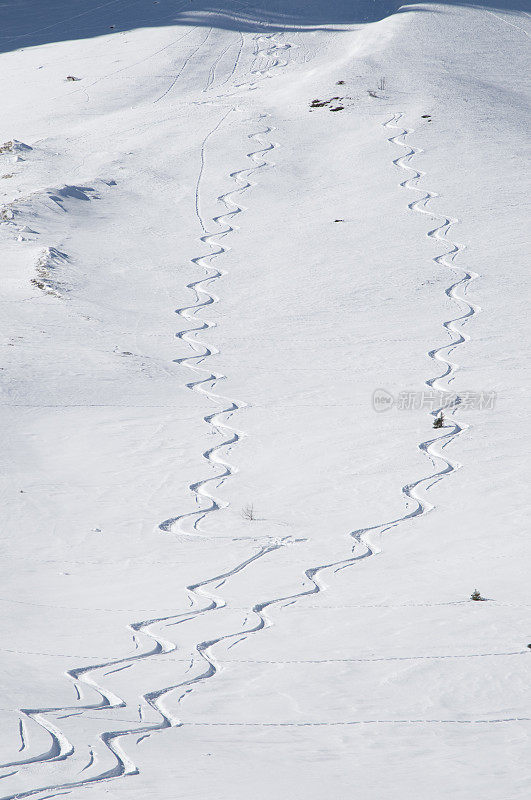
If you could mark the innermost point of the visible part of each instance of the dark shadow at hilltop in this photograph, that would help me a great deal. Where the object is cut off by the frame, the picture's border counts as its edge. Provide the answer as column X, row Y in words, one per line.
column 29, row 23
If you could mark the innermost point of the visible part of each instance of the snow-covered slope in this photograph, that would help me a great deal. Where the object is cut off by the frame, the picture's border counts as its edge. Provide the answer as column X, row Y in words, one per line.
column 225, row 572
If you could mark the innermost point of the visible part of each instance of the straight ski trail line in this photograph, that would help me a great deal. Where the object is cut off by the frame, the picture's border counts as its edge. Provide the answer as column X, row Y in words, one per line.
column 185, row 63
column 341, row 723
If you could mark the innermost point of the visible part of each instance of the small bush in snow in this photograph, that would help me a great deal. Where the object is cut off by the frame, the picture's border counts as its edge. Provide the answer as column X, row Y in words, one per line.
column 248, row 512
column 438, row 421
column 476, row 595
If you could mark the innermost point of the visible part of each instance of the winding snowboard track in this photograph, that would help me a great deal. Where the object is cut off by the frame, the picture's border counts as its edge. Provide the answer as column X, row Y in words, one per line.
column 367, row 540
column 204, row 296
column 370, row 537
column 61, row 748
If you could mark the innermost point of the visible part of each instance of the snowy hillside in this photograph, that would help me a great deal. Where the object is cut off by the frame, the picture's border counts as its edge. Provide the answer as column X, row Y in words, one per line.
column 250, row 252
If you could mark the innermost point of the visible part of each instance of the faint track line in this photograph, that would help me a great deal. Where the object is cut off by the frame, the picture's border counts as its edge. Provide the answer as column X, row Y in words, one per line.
column 183, row 67
column 340, row 723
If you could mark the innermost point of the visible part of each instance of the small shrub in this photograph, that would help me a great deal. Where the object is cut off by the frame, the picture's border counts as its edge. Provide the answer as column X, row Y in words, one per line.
column 382, row 84
column 248, row 512
column 438, row 421
column 476, row 595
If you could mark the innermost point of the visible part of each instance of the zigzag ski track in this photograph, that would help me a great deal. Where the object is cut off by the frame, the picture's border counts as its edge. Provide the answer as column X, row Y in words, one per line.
column 205, row 297
column 61, row 748
column 366, row 540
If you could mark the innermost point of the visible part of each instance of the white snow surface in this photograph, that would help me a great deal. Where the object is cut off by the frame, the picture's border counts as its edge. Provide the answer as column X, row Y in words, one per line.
column 188, row 332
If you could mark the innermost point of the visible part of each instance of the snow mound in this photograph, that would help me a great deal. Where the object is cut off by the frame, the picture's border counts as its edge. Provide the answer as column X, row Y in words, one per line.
column 48, row 268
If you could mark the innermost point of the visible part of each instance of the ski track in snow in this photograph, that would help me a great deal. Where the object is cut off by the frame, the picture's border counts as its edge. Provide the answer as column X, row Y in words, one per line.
column 61, row 748
column 212, row 73
column 205, row 297
column 507, row 22
column 183, row 67
column 370, row 537
column 366, row 540
column 367, row 660
column 22, row 739
column 237, row 59
column 340, row 723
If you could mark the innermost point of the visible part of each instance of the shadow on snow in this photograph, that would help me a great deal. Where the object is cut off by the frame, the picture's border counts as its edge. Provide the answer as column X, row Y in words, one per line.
column 28, row 23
